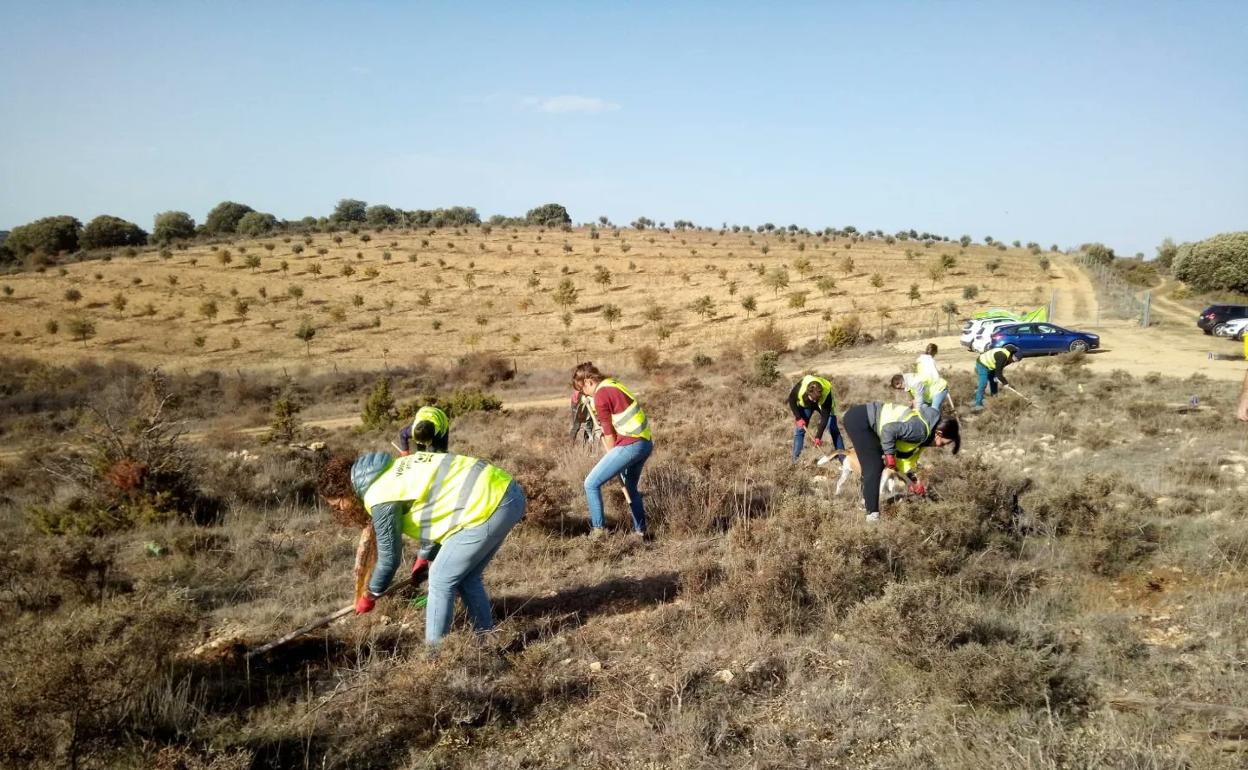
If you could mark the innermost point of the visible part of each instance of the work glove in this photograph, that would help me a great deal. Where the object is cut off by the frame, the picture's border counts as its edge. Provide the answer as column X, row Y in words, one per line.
column 890, row 461
column 917, row 488
column 801, row 423
column 365, row 603
column 420, row 571
column 818, row 442
column 404, row 453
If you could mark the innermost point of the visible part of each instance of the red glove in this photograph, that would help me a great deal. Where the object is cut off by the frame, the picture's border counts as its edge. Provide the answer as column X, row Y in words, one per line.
column 365, row 603
column 890, row 461
column 420, row 571
column 404, row 453
column 818, row 442
column 917, row 488
column 801, row 423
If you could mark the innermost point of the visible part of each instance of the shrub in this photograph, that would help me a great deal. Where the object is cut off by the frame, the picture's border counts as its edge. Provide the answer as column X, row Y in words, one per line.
column 769, row 337
column 766, row 368
column 647, row 359
column 548, row 215
column 379, row 408
column 255, row 223
column 1098, row 253
column 72, row 295
column 1219, row 263
column 223, row 218
column 50, row 236
column 173, row 226
column 81, row 329
column 845, row 334
column 482, row 369
column 970, row 292
column 105, row 232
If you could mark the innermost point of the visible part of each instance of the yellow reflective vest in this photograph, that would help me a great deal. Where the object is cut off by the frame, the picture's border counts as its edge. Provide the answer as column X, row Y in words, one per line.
column 447, row 492
column 907, row 453
column 824, row 384
column 632, row 421
column 432, row 414
column 989, row 358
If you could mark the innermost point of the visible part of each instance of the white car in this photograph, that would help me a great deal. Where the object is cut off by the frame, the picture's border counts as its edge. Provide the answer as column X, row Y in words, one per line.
column 978, row 334
column 1234, row 328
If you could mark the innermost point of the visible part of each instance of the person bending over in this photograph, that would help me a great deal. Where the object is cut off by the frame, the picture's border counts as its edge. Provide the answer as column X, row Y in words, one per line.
column 894, row 436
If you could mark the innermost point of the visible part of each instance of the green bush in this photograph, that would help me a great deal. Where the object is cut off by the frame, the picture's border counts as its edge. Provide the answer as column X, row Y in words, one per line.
column 548, row 215
column 106, row 232
column 224, row 217
column 1219, row 263
column 173, row 226
column 845, row 334
column 50, row 235
column 255, row 223
column 457, row 403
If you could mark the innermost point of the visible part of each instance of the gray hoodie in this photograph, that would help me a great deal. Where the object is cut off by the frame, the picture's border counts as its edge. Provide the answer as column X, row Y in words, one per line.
column 912, row 430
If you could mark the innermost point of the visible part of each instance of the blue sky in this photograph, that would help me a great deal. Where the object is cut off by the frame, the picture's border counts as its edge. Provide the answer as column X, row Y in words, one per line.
column 1055, row 122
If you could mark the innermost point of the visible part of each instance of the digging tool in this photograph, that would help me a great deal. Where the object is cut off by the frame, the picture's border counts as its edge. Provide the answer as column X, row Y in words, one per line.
column 321, row 623
column 1014, row 390
column 627, row 497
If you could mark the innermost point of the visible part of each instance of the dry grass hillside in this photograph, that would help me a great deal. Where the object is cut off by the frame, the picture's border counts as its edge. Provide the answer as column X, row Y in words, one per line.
column 1070, row 595
column 374, row 298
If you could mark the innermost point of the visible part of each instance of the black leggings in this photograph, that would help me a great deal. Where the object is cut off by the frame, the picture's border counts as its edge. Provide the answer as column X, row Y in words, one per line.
column 870, row 454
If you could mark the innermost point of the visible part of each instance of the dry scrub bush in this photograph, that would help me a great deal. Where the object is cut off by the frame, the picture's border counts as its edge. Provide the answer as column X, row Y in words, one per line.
column 82, row 688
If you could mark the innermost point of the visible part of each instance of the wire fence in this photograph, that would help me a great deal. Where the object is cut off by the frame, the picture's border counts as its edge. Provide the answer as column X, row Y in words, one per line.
column 1116, row 292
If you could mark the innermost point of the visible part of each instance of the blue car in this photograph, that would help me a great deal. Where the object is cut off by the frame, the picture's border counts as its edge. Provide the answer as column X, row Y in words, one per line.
column 1043, row 339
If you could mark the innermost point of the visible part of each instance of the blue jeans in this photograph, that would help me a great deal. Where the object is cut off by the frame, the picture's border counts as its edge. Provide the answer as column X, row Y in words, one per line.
column 460, row 563
column 799, row 434
column 987, row 379
column 938, row 399
column 625, row 461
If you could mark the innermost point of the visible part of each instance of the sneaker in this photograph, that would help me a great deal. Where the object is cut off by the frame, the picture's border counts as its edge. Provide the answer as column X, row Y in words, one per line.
column 977, row 408
column 641, row 537
column 873, row 517
column 597, row 533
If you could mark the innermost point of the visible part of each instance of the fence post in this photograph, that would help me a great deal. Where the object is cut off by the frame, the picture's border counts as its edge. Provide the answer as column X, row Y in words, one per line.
column 1148, row 302
column 1052, row 305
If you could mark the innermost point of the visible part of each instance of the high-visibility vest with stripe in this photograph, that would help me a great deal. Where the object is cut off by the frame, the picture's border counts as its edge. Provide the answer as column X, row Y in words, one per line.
column 989, row 358
column 632, row 421
column 924, row 388
column 447, row 492
column 431, row 414
column 907, row 453
column 824, row 384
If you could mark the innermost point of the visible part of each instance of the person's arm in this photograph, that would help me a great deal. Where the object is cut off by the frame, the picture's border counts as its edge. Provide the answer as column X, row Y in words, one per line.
column 825, row 416
column 912, row 431
column 405, row 439
column 794, row 406
column 441, row 443
column 1243, row 400
column 388, row 524
column 1003, row 360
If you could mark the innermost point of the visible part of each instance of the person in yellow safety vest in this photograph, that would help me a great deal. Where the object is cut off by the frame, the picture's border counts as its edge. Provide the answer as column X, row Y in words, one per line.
column 627, row 439
column 809, row 394
column 922, row 393
column 894, row 436
column 458, row 508
column 431, row 430
column 990, row 369
column 927, row 371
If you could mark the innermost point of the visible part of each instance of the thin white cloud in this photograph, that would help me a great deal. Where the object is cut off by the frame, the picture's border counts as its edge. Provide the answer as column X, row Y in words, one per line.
column 571, row 103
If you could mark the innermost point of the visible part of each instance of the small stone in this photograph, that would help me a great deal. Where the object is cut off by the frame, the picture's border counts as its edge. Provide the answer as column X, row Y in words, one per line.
column 724, row 675
column 595, row 666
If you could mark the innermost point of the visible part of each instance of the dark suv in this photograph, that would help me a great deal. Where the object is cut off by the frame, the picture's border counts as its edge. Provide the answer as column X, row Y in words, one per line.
column 1217, row 315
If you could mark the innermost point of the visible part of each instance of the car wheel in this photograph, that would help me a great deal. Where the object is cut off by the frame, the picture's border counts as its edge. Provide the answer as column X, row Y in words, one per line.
column 1219, row 329
column 1079, row 346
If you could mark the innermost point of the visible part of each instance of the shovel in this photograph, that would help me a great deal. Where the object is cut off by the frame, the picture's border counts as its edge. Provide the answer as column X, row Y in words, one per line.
column 325, row 621
column 1028, row 401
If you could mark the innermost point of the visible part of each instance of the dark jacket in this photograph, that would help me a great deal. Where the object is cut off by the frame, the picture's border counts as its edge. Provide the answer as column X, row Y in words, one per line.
column 1000, row 360
column 797, row 405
